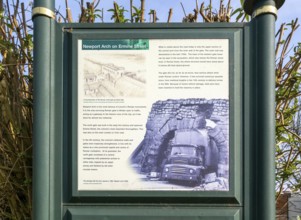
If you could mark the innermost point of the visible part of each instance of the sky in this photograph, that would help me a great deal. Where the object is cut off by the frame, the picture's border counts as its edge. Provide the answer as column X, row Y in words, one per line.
column 290, row 10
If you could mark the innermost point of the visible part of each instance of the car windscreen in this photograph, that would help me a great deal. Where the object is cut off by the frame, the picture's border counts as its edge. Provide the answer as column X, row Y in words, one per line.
column 183, row 150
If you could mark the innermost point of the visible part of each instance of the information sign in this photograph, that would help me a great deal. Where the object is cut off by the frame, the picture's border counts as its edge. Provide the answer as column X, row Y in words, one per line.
column 151, row 112
column 154, row 121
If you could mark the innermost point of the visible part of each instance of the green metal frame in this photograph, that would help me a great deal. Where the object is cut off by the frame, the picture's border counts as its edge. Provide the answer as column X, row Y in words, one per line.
column 251, row 195
column 162, row 212
column 177, row 31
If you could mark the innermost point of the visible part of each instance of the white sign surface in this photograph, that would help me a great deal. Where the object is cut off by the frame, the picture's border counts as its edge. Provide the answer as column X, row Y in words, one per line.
column 136, row 100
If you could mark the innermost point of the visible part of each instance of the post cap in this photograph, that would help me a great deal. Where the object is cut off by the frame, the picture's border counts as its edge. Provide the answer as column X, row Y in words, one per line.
column 249, row 5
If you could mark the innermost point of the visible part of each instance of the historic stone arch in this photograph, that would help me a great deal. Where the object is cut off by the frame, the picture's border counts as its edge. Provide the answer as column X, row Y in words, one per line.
column 168, row 116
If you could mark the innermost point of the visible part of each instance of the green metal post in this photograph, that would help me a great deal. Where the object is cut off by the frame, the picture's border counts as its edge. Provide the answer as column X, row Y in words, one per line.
column 263, row 107
column 43, row 69
column 264, row 131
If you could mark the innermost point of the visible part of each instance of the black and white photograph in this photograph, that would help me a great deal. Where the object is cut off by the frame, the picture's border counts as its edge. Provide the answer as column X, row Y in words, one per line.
column 185, row 145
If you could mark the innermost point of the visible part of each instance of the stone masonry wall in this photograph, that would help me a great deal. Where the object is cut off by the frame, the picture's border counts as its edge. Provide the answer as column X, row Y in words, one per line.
column 171, row 115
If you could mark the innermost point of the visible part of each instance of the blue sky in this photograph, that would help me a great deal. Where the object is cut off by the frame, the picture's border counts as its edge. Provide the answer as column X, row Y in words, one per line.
column 290, row 10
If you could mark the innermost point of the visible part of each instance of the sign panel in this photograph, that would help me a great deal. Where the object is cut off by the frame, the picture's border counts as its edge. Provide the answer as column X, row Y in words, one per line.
column 154, row 121
column 153, row 114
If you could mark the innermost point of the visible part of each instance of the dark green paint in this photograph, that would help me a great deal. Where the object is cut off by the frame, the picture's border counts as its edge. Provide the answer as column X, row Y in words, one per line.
column 234, row 34
column 62, row 131
column 251, row 194
column 151, row 213
column 263, row 113
column 44, row 137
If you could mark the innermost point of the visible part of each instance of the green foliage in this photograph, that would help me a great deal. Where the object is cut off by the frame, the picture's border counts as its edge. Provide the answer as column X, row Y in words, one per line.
column 16, row 44
column 89, row 14
column 241, row 15
column 137, row 14
column 92, row 14
column 288, row 111
column 118, row 14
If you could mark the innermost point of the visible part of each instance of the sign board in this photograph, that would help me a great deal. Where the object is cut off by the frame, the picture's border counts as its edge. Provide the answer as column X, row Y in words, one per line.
column 154, row 115
column 161, row 100
column 147, row 121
